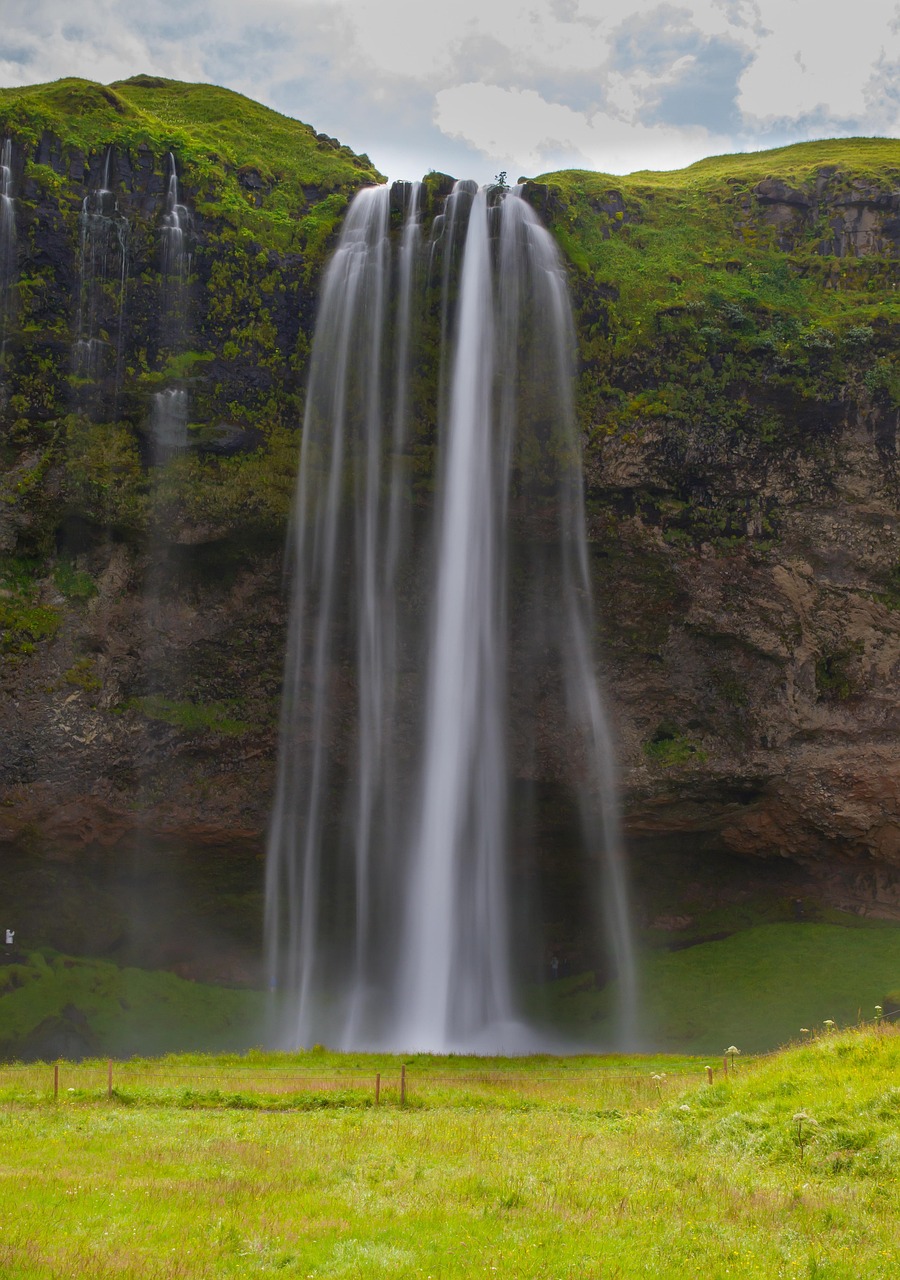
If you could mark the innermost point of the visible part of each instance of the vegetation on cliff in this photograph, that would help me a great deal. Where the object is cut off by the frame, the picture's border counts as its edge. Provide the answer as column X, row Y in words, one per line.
column 263, row 194
column 739, row 330
column 739, row 305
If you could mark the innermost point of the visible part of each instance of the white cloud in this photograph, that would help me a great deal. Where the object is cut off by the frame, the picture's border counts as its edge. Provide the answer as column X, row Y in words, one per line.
column 519, row 130
column 620, row 84
column 806, row 62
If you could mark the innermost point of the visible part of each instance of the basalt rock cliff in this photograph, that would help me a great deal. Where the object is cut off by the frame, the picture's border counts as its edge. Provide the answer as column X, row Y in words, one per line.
column 739, row 332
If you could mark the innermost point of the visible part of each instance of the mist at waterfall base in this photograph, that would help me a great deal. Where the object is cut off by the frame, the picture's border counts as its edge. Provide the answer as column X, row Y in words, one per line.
column 440, row 668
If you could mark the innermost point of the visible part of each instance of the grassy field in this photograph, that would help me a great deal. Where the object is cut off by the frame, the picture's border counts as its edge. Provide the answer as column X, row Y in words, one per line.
column 696, row 1000
column 756, row 988
column 582, row 1168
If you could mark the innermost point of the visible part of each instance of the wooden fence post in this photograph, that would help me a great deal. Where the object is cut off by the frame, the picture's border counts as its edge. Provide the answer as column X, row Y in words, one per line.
column 109, row 1080
column 725, row 1064
column 403, row 1085
column 55, row 1081
column 709, row 1075
column 377, row 1088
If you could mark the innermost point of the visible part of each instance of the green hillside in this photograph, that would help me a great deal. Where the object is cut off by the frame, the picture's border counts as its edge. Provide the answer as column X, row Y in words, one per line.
column 220, row 138
column 702, row 291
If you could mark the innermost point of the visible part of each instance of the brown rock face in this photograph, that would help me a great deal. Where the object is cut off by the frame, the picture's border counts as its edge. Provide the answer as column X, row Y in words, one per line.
column 755, row 687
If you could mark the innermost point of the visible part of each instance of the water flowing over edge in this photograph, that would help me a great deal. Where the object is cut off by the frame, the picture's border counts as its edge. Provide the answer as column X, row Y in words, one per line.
column 388, row 909
column 169, row 407
column 8, row 245
column 103, row 256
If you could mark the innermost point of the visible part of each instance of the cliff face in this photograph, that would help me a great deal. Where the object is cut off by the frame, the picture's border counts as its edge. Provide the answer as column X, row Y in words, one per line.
column 740, row 393
column 739, row 324
column 141, row 616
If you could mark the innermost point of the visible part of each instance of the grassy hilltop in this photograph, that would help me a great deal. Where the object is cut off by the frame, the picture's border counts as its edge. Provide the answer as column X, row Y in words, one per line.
column 705, row 291
column 253, row 165
column 265, row 195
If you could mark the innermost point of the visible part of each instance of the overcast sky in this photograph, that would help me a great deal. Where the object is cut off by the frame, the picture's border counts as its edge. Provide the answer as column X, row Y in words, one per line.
column 471, row 87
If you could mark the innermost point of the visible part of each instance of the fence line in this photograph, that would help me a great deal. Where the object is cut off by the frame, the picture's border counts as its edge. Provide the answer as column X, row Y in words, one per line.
column 94, row 1080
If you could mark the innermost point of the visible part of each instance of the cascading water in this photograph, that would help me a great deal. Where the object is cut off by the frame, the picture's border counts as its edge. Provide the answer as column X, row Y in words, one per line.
column 169, row 408
column 168, row 424
column 441, row 627
column 7, row 245
column 176, row 259
column 103, row 263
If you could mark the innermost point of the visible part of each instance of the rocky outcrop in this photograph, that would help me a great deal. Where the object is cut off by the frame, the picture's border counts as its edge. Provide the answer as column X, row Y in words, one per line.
column 855, row 218
column 755, row 682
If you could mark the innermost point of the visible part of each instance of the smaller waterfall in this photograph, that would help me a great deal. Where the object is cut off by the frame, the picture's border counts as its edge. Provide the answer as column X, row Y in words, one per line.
column 176, row 259
column 7, row 245
column 169, row 412
column 168, row 424
column 103, row 260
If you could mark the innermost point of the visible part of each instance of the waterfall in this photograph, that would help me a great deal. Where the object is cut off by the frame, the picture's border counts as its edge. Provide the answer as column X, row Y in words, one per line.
column 440, row 589
column 176, row 260
column 169, row 408
column 7, row 245
column 103, row 261
column 168, row 424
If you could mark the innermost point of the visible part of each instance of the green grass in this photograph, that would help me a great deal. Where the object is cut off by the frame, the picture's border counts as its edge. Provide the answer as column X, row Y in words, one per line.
column 602, row 1174
column 221, row 140
column 119, row 1010
column 755, row 989
column 693, row 313
column 688, row 248
column 193, row 717
column 764, row 984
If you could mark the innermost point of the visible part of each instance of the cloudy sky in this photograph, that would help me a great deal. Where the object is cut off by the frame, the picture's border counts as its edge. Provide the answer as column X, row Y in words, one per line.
column 471, row 87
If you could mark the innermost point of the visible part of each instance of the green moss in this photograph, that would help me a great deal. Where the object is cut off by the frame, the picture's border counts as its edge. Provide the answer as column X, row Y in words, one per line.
column 193, row 717
column 105, row 477
column 23, row 625
column 74, row 583
column 670, row 747
column 834, row 673
column 891, row 596
column 83, row 675
column 692, row 317
column 251, row 491
column 268, row 195
column 24, row 622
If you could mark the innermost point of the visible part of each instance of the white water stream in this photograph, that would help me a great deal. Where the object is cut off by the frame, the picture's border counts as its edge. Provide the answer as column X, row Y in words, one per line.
column 423, row 625
column 169, row 408
column 103, row 260
column 7, row 244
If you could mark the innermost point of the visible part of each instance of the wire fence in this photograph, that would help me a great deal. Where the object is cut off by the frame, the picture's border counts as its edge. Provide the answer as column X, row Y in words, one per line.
column 286, row 1086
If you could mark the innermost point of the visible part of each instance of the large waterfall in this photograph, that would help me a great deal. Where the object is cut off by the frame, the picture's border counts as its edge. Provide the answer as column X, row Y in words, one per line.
column 440, row 653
